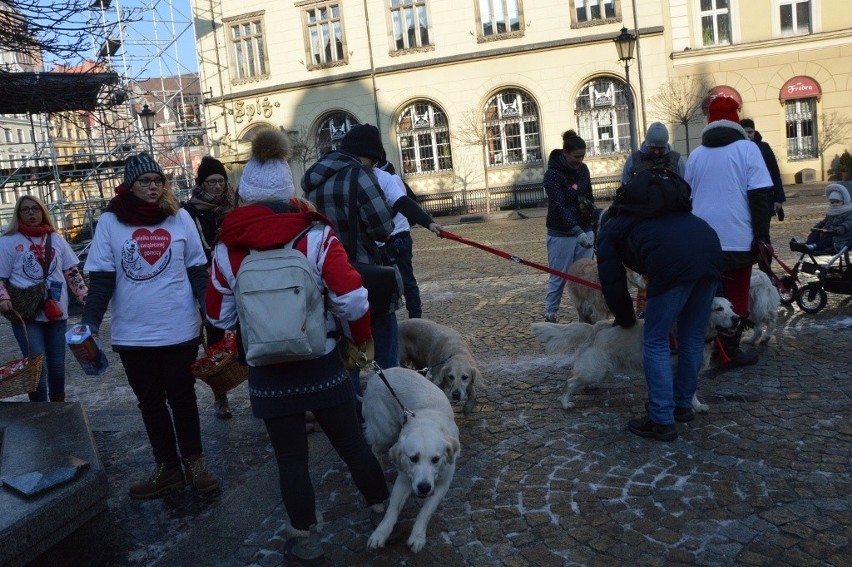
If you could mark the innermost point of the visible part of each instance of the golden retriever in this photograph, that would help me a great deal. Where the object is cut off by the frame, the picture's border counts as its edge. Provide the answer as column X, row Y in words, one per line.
column 603, row 350
column 424, row 446
column 590, row 304
column 427, row 344
column 763, row 303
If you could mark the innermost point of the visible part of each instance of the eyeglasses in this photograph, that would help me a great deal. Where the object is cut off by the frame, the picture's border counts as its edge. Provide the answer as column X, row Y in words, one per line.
column 215, row 182
column 26, row 210
column 147, row 181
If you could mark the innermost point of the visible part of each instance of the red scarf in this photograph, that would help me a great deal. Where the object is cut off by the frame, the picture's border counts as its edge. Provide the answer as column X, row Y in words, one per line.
column 132, row 210
column 39, row 230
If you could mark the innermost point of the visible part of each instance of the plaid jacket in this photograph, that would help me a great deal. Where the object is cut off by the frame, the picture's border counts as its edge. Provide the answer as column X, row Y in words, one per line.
column 328, row 184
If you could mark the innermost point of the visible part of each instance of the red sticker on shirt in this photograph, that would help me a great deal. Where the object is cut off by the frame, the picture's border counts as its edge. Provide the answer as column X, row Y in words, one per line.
column 152, row 245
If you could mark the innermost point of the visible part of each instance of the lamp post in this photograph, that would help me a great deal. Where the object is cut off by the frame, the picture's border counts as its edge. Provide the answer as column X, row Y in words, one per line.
column 149, row 122
column 625, row 42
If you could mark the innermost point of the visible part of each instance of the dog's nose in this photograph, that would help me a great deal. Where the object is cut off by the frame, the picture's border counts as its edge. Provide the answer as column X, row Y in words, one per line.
column 735, row 320
column 424, row 488
column 456, row 395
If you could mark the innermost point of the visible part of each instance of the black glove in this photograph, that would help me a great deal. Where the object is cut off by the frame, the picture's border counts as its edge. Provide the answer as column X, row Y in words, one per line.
column 766, row 243
column 626, row 324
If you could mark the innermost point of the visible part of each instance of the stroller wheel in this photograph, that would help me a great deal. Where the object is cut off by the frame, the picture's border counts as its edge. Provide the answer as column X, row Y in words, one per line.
column 812, row 298
column 789, row 291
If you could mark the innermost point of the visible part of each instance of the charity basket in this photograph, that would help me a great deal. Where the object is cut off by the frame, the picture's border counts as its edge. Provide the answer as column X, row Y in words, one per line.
column 219, row 367
column 21, row 375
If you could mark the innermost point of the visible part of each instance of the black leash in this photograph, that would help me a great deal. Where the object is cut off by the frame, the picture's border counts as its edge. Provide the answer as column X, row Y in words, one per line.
column 406, row 413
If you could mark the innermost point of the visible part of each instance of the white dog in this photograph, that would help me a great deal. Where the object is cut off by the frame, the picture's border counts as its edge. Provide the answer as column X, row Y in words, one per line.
column 590, row 303
column 763, row 303
column 427, row 344
column 424, row 446
column 603, row 350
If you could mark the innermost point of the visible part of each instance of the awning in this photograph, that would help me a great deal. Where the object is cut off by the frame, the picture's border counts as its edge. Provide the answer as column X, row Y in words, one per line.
column 36, row 93
column 799, row 87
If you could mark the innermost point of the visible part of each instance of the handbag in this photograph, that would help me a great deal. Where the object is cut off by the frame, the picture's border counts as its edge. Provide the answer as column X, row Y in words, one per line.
column 383, row 283
column 28, row 301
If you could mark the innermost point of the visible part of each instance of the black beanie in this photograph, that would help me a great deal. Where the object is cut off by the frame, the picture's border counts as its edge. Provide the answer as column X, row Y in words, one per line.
column 363, row 140
column 210, row 166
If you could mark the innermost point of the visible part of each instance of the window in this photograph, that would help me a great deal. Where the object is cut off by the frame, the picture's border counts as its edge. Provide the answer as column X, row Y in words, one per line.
column 20, row 133
column 424, row 139
column 795, row 17
column 8, row 133
column 331, row 130
column 512, row 134
column 801, row 128
column 325, row 33
column 593, row 10
column 410, row 22
column 603, row 118
column 499, row 17
column 248, row 49
column 715, row 22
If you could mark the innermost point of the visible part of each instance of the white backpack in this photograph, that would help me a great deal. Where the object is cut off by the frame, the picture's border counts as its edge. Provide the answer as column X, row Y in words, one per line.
column 280, row 306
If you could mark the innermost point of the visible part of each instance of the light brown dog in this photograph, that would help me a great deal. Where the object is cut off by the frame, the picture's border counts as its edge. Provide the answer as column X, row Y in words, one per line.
column 590, row 304
column 427, row 344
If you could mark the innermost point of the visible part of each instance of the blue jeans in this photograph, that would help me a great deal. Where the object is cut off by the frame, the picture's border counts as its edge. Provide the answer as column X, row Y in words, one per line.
column 687, row 305
column 386, row 341
column 47, row 338
column 562, row 251
column 401, row 248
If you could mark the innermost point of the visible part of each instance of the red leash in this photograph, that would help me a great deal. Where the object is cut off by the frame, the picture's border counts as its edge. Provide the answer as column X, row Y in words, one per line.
column 519, row 260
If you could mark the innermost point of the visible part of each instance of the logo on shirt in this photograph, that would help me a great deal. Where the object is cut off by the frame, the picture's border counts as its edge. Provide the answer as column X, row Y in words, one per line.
column 31, row 264
column 146, row 254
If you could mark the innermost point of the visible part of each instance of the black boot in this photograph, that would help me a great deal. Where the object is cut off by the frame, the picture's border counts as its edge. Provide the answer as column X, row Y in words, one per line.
column 730, row 340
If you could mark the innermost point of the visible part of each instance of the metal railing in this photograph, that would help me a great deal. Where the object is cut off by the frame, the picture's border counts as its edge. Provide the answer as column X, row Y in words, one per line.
column 473, row 201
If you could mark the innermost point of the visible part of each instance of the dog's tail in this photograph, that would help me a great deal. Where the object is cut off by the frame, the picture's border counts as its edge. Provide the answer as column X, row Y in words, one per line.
column 562, row 339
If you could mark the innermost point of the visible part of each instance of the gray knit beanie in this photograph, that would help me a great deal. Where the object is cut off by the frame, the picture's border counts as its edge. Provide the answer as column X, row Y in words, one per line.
column 137, row 165
column 657, row 136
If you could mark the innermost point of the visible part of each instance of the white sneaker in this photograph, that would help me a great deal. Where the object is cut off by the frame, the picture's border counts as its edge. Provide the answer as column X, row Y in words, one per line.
column 551, row 318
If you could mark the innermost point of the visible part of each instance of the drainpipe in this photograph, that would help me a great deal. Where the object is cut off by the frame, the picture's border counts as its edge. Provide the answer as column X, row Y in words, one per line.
column 372, row 66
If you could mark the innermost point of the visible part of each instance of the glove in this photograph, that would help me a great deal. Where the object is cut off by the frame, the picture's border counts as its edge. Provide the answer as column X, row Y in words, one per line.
column 586, row 240
column 360, row 355
column 624, row 324
column 755, row 245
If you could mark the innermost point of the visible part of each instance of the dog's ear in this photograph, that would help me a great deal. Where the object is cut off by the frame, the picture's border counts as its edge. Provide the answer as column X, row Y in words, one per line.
column 393, row 454
column 476, row 378
column 438, row 375
column 453, row 448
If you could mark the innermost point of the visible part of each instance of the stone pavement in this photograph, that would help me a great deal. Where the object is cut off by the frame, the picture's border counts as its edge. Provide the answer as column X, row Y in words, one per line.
column 763, row 479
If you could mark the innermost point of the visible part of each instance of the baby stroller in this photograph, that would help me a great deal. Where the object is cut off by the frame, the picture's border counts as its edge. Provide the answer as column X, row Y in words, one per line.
column 834, row 276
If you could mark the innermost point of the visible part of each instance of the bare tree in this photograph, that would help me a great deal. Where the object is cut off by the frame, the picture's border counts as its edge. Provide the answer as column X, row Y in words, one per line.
column 59, row 32
column 678, row 101
column 471, row 132
column 306, row 148
column 835, row 129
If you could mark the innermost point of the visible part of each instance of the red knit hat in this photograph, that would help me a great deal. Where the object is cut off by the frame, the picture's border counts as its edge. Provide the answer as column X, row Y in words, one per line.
column 723, row 108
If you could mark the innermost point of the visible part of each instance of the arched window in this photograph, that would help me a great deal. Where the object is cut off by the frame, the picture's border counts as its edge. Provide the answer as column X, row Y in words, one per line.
column 602, row 117
column 331, row 129
column 512, row 133
column 424, row 139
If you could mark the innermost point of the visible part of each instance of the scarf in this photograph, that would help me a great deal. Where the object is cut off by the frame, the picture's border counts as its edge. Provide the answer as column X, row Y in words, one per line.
column 217, row 205
column 39, row 230
column 132, row 210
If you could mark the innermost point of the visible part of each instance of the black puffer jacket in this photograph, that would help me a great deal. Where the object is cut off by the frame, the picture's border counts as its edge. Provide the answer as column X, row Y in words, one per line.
column 570, row 208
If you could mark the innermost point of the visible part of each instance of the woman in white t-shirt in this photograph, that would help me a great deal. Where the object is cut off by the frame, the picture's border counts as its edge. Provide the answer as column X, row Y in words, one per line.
column 147, row 258
column 23, row 264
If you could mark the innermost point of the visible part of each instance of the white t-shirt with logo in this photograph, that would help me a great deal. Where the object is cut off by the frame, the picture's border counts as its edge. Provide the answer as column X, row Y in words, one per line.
column 153, row 304
column 720, row 179
column 393, row 189
column 19, row 264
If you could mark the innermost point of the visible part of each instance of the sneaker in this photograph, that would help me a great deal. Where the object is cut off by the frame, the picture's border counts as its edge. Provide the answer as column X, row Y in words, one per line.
column 222, row 409
column 166, row 478
column 202, row 482
column 645, row 427
column 550, row 318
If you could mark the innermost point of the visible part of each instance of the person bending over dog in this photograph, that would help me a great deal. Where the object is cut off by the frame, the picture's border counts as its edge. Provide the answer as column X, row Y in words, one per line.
column 650, row 229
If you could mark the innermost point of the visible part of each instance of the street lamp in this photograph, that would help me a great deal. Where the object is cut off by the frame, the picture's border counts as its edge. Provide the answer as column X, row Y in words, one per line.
column 149, row 122
column 625, row 42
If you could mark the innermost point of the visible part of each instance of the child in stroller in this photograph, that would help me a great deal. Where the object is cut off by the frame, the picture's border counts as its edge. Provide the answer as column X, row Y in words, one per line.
column 831, row 234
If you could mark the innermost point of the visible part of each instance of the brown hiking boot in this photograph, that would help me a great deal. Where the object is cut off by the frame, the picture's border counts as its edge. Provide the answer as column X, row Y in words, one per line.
column 201, row 481
column 164, row 480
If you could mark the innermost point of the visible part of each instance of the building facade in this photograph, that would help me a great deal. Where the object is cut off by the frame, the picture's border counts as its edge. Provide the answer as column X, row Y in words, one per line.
column 476, row 94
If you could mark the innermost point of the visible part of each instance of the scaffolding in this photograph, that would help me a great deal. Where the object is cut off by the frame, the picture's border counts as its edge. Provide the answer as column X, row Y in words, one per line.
column 75, row 156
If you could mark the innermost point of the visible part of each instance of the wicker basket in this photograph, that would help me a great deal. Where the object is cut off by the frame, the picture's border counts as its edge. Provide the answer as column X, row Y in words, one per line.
column 24, row 374
column 226, row 374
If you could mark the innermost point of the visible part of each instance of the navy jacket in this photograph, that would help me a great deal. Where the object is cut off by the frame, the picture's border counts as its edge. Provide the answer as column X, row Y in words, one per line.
column 570, row 202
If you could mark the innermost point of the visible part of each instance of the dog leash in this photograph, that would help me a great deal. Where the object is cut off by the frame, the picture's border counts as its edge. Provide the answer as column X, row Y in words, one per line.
column 406, row 413
column 518, row 259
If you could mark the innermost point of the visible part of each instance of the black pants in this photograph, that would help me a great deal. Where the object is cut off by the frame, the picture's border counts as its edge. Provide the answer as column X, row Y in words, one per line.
column 402, row 254
column 290, row 443
column 159, row 375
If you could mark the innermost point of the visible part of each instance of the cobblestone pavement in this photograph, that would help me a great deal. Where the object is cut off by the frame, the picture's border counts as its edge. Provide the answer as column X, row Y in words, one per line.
column 763, row 479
